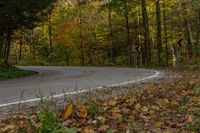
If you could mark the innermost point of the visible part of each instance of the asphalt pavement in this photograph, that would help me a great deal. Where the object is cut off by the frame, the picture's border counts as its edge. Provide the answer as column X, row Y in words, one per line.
column 57, row 80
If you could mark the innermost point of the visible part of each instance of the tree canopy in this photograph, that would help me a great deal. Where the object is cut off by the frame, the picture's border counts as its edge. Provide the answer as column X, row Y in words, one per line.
column 105, row 32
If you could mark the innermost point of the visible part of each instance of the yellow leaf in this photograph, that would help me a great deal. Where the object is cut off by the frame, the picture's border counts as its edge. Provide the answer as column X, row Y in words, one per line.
column 130, row 101
column 163, row 102
column 82, row 111
column 174, row 103
column 166, row 101
column 158, row 125
column 112, row 103
column 7, row 128
column 68, row 111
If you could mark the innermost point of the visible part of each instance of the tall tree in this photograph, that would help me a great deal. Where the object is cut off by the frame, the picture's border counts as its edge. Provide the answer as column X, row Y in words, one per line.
column 110, row 29
column 159, row 37
column 80, row 23
column 146, row 52
column 165, row 35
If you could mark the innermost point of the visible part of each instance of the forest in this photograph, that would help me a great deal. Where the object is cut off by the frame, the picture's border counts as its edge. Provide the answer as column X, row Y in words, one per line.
column 39, row 39
column 134, row 33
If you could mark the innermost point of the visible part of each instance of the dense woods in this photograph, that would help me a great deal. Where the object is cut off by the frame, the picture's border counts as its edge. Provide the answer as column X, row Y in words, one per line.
column 137, row 33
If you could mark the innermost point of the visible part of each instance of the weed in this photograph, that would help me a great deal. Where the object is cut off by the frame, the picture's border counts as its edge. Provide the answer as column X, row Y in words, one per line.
column 196, row 112
column 93, row 108
column 183, row 109
column 49, row 123
column 194, row 126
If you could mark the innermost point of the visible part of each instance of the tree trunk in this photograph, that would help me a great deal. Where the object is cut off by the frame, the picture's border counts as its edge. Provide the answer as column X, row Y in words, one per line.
column 128, row 34
column 186, row 32
column 146, row 34
column 20, row 45
column 111, row 33
column 137, row 42
column 95, row 40
column 159, row 39
column 32, row 46
column 198, row 32
column 1, row 45
column 188, row 39
column 7, row 50
column 82, row 60
column 89, row 46
column 50, row 37
column 198, row 28
column 165, row 34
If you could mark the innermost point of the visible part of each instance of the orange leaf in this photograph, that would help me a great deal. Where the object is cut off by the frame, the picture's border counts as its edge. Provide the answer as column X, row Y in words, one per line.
column 82, row 111
column 112, row 103
column 68, row 111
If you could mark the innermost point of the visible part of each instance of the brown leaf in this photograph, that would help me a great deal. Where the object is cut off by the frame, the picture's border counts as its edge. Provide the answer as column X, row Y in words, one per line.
column 138, row 106
column 104, row 128
column 116, row 116
column 190, row 119
column 88, row 130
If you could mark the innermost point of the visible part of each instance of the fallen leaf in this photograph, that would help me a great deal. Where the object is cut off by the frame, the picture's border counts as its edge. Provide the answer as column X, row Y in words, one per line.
column 138, row 106
column 82, row 111
column 116, row 116
column 158, row 124
column 174, row 103
column 7, row 128
column 101, row 119
column 112, row 103
column 68, row 111
column 104, row 128
column 130, row 101
column 88, row 130
column 190, row 119
column 145, row 109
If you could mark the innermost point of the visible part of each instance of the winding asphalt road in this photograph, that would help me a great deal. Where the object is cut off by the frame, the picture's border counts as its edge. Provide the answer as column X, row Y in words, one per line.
column 57, row 80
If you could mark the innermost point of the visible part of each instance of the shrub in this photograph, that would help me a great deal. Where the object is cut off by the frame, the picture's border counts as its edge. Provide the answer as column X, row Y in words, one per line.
column 122, row 60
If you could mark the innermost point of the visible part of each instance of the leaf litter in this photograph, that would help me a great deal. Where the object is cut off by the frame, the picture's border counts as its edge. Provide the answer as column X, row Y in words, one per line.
column 170, row 107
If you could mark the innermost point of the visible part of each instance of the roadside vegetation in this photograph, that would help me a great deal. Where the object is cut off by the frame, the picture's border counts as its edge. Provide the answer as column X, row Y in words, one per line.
column 9, row 72
column 159, row 107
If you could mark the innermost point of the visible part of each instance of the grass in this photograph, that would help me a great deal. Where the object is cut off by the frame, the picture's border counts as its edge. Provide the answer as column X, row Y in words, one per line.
column 9, row 72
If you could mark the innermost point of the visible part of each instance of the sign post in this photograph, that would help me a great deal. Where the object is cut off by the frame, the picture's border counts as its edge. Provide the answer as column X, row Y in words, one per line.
column 176, row 54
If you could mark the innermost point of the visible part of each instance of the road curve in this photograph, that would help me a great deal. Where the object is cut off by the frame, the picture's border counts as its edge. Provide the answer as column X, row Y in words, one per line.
column 57, row 80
